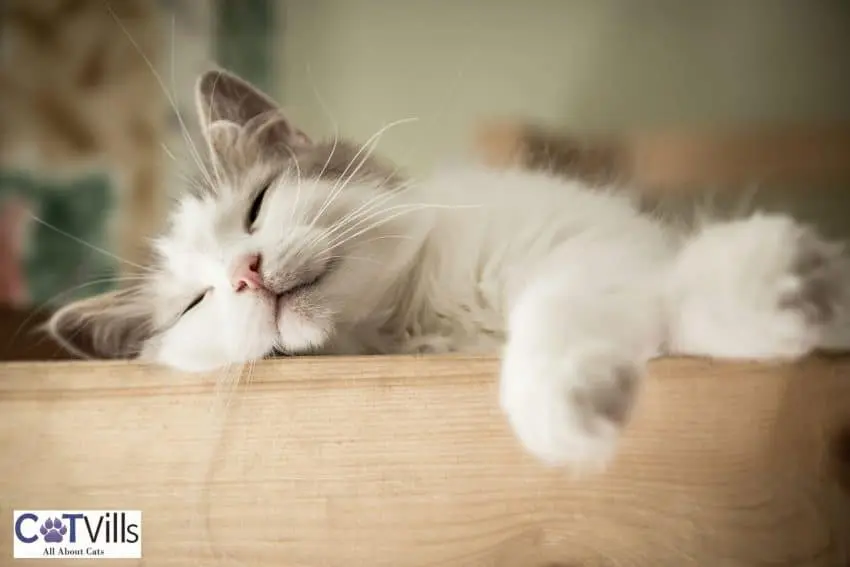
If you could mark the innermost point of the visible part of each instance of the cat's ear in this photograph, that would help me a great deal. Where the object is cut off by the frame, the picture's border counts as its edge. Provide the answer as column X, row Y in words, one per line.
column 223, row 100
column 112, row 325
column 222, row 136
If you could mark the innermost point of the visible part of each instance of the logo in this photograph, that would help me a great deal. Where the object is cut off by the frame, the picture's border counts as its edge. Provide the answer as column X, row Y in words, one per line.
column 83, row 534
column 52, row 530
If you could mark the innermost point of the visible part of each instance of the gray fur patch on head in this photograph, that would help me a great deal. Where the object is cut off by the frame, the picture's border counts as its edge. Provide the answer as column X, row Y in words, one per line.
column 245, row 127
column 341, row 160
column 222, row 96
column 330, row 161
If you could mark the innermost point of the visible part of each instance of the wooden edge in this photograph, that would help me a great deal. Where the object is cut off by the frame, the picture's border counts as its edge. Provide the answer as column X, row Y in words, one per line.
column 408, row 461
column 795, row 156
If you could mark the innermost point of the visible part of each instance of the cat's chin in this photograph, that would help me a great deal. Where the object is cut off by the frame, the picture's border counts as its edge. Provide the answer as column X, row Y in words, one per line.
column 300, row 332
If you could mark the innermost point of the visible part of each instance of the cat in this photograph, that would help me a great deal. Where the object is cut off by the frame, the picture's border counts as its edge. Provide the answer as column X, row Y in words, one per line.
column 294, row 246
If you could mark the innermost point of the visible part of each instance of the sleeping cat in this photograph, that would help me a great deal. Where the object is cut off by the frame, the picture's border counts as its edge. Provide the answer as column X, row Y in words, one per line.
column 291, row 246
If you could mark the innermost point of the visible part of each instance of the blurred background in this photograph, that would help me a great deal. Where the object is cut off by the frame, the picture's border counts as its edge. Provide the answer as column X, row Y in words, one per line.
column 97, row 123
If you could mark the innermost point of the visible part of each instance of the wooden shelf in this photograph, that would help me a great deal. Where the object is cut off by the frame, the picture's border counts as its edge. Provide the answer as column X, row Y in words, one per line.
column 399, row 461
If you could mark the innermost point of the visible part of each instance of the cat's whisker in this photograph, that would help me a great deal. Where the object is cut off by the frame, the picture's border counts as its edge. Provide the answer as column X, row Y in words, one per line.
column 386, row 237
column 335, row 124
column 405, row 209
column 182, row 175
column 323, row 170
column 109, row 280
column 374, row 201
column 363, row 225
column 369, row 205
column 67, row 340
column 298, row 183
column 358, row 258
column 330, row 231
column 227, row 386
column 67, row 343
column 250, row 377
column 220, row 378
column 371, row 143
column 86, row 244
column 342, row 183
column 168, row 152
column 389, row 176
column 193, row 150
column 379, row 197
column 355, row 221
column 217, row 170
column 47, row 303
column 332, row 257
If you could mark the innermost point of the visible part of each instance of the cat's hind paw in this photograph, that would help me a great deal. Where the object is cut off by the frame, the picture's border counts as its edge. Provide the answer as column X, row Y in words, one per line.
column 804, row 291
column 569, row 411
column 816, row 281
column 762, row 288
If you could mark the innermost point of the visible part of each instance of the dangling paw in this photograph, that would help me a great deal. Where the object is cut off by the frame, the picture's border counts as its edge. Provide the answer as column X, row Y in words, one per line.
column 569, row 410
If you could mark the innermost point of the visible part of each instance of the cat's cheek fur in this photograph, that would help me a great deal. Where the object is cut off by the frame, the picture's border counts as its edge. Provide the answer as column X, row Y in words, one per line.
column 216, row 335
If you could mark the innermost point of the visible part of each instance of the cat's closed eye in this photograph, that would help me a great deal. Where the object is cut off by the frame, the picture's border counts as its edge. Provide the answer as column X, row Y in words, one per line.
column 195, row 302
column 256, row 206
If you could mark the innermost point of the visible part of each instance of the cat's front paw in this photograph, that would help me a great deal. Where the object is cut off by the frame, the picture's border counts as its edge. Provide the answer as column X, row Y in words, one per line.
column 569, row 410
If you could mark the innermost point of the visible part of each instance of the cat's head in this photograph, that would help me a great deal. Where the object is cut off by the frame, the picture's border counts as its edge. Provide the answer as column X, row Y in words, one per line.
column 284, row 245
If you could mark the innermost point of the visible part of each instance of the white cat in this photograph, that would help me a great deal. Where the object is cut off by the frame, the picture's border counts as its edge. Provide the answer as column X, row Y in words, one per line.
column 291, row 246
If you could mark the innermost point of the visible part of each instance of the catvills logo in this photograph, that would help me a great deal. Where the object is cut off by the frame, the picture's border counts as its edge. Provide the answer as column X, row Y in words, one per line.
column 85, row 534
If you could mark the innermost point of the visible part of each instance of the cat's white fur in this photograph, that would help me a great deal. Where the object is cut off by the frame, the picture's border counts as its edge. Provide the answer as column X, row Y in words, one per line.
column 573, row 286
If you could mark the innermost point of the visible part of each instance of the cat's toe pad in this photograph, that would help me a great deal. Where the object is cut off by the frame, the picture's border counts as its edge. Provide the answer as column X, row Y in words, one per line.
column 570, row 410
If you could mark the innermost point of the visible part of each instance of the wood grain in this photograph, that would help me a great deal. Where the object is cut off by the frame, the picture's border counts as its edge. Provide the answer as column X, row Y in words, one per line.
column 402, row 462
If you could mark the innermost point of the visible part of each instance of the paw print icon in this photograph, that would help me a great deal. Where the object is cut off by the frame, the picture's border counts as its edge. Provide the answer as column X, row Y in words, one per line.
column 53, row 530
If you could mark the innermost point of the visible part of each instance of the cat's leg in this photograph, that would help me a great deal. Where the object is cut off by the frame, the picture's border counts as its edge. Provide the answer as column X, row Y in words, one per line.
column 765, row 287
column 577, row 348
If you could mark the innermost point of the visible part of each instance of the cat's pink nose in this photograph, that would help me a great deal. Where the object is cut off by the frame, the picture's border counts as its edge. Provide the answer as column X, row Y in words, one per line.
column 246, row 273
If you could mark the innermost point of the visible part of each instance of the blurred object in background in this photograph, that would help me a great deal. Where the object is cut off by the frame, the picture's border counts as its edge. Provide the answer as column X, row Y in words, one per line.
column 82, row 124
column 14, row 215
column 245, row 39
column 590, row 69
column 97, row 131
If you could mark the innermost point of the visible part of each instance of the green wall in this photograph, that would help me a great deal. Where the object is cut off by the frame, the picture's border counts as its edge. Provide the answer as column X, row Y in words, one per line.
column 606, row 64
column 578, row 64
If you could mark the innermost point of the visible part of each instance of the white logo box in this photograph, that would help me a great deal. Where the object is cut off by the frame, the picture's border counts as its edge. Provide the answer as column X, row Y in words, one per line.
column 81, row 534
